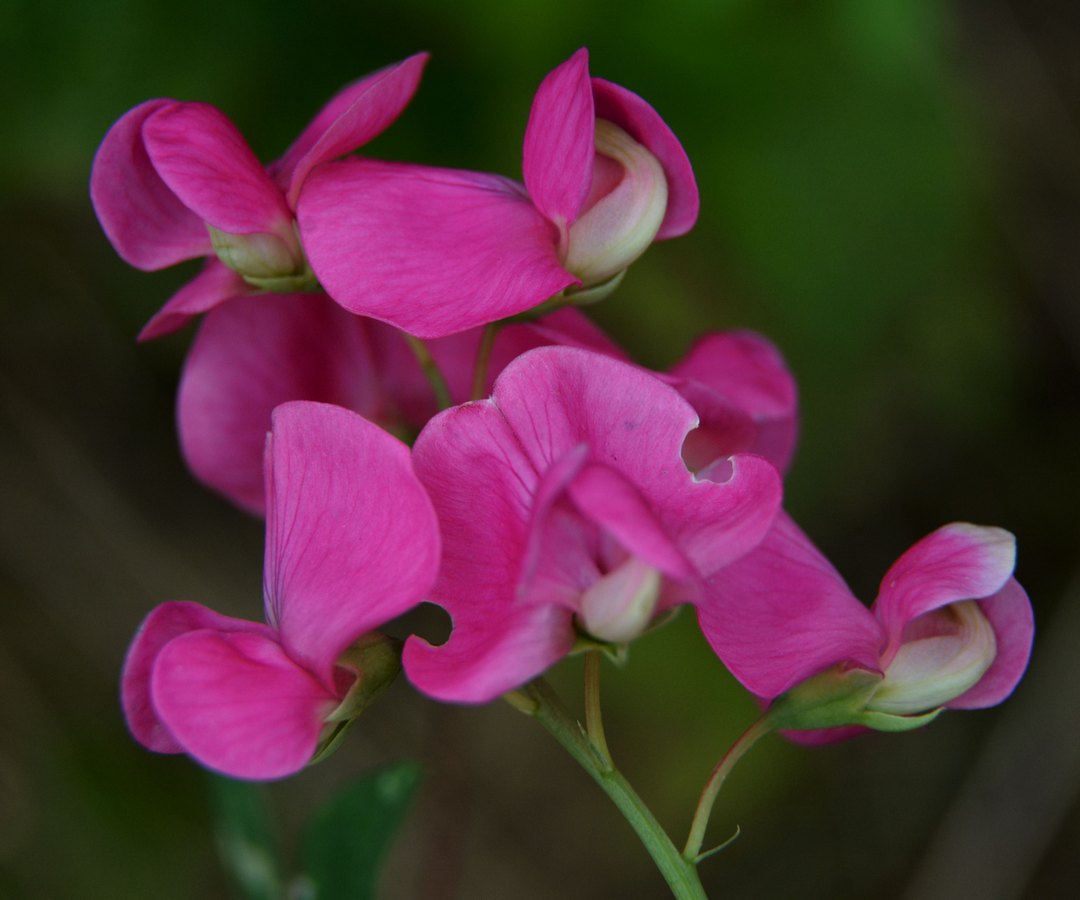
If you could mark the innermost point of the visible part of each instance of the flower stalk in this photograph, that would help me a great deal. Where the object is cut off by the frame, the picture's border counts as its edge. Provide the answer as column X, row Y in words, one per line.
column 544, row 705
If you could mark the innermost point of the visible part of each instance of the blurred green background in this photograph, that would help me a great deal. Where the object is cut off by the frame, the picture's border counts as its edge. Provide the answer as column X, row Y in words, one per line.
column 890, row 190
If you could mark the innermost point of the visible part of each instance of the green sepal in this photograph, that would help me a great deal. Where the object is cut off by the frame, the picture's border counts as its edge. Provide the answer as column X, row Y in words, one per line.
column 376, row 660
column 837, row 698
column 880, row 721
column 300, row 283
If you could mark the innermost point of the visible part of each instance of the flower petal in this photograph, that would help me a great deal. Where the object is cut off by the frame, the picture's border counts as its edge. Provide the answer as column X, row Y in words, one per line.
column 560, row 142
column 489, row 653
column 359, row 113
column 237, row 703
column 1010, row 615
column 729, row 377
column 212, row 286
column 253, row 354
column 959, row 561
column 351, row 537
column 431, row 251
column 638, row 119
column 144, row 220
column 164, row 624
column 207, row 163
column 782, row 614
column 481, row 486
column 557, row 397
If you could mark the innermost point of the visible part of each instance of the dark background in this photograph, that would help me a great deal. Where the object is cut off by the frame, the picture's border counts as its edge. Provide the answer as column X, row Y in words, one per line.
column 889, row 190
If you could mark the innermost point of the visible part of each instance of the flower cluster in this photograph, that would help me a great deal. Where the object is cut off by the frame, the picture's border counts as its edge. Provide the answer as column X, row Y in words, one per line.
column 557, row 496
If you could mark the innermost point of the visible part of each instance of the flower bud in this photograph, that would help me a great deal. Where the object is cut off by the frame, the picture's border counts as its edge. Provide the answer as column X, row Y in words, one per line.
column 631, row 199
column 620, row 606
column 265, row 260
column 955, row 648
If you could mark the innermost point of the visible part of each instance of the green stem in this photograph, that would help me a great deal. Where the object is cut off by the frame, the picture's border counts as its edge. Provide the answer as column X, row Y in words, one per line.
column 594, row 719
column 692, row 851
column 430, row 370
column 543, row 704
column 483, row 360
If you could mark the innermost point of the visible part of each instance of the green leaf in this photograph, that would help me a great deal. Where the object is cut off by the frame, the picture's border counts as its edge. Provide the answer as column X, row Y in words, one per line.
column 346, row 842
column 245, row 838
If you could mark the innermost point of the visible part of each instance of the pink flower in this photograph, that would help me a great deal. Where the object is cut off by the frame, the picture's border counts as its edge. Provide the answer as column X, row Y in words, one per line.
column 447, row 250
column 255, row 353
column 951, row 628
column 175, row 181
column 566, row 509
column 351, row 542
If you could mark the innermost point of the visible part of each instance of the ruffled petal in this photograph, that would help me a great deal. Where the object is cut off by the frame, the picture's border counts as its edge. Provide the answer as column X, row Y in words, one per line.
column 489, row 652
column 207, row 163
column 144, row 220
column 431, row 251
column 557, row 397
column 351, row 537
column 253, row 354
column 959, row 561
column 214, row 285
column 359, row 113
column 782, row 614
column 164, row 624
column 1009, row 613
column 738, row 381
column 560, row 142
column 638, row 119
column 238, row 704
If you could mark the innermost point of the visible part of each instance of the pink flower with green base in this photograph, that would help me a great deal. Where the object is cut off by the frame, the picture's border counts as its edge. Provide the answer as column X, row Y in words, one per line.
column 436, row 251
column 351, row 543
column 951, row 629
column 175, row 181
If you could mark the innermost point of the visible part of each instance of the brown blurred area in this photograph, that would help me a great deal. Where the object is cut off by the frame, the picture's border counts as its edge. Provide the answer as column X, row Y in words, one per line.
column 891, row 191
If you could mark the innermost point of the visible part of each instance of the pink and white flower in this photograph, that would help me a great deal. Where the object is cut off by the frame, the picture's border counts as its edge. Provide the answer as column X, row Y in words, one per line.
column 175, row 181
column 567, row 510
column 351, row 543
column 950, row 628
column 436, row 251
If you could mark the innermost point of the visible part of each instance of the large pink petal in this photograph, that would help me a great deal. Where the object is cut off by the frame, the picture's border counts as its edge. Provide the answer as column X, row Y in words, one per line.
column 1010, row 615
column 207, row 163
column 560, row 142
column 959, row 561
column 164, row 624
column 557, row 397
column 214, row 285
column 638, row 119
column 731, row 376
column 237, row 703
column 431, row 251
column 253, row 354
column 782, row 614
column 351, row 538
column 143, row 219
column 351, row 119
column 489, row 652
column 482, row 488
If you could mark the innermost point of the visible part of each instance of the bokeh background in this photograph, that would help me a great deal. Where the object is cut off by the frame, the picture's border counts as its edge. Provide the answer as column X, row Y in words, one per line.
column 890, row 190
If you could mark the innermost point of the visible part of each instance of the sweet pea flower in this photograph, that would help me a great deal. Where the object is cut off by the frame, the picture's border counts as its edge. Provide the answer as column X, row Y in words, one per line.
column 351, row 543
column 175, row 181
column 951, row 628
column 567, row 511
column 436, row 251
column 254, row 353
